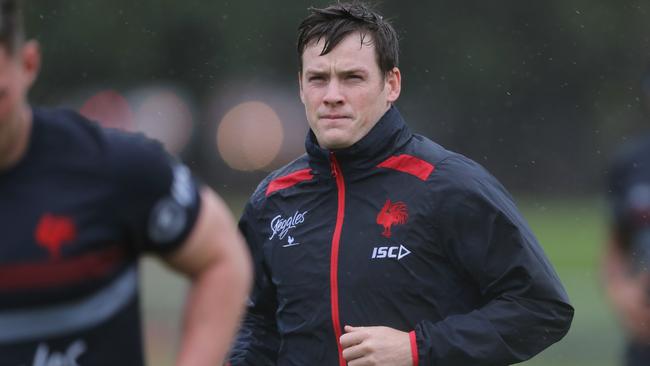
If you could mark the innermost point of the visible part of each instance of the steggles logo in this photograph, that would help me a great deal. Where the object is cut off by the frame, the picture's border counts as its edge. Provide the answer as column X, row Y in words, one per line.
column 281, row 226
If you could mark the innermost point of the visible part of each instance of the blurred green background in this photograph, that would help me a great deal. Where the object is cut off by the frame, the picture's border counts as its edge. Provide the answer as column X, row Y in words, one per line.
column 541, row 93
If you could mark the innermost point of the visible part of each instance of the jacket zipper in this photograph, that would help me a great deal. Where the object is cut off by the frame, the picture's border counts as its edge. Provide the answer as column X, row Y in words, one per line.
column 334, row 257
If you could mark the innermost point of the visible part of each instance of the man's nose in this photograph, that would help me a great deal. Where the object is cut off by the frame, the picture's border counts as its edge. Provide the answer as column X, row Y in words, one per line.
column 334, row 93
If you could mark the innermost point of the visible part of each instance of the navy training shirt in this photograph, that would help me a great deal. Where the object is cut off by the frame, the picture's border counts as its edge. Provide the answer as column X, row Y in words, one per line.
column 75, row 214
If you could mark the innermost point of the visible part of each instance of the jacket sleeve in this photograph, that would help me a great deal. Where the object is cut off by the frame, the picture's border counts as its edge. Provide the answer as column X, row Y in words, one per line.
column 524, row 306
column 258, row 340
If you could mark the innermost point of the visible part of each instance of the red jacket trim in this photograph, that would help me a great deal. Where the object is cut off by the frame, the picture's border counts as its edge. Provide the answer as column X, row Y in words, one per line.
column 414, row 348
column 409, row 164
column 289, row 180
column 334, row 257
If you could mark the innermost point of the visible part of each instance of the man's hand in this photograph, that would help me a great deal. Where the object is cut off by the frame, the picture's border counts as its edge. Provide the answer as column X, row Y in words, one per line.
column 628, row 294
column 367, row 346
column 630, row 297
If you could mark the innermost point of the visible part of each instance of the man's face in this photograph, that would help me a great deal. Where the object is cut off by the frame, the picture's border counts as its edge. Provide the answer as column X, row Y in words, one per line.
column 17, row 72
column 344, row 91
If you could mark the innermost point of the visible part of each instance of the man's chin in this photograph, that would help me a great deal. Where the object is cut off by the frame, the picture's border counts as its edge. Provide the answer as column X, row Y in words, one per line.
column 335, row 143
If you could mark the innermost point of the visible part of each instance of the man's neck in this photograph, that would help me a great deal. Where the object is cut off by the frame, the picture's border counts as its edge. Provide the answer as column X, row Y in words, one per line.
column 14, row 137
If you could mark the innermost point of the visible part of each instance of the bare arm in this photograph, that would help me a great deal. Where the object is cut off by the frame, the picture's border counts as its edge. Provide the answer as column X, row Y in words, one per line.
column 627, row 292
column 216, row 260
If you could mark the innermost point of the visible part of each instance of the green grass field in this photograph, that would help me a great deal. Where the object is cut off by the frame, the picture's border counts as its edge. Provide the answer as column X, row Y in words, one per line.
column 572, row 233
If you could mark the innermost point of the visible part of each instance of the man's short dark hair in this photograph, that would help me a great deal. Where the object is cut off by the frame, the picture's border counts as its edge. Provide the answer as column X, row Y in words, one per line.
column 336, row 21
column 11, row 25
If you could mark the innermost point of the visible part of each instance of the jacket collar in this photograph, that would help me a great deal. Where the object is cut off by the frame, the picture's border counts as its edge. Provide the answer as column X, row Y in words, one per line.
column 387, row 136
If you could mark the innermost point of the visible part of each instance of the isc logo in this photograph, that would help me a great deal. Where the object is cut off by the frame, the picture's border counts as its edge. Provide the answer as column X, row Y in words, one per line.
column 397, row 252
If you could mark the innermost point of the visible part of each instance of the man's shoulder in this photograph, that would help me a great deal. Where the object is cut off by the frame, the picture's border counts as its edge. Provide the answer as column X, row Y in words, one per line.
column 634, row 152
column 70, row 131
column 425, row 149
column 282, row 178
column 629, row 168
column 454, row 175
column 67, row 130
column 78, row 140
column 447, row 164
column 461, row 186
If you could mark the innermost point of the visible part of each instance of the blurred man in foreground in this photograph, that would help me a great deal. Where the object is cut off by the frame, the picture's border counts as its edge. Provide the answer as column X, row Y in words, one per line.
column 627, row 256
column 78, row 206
column 380, row 247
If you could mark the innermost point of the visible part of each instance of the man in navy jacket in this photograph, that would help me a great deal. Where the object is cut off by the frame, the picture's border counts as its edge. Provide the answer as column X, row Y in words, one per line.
column 380, row 247
column 625, row 265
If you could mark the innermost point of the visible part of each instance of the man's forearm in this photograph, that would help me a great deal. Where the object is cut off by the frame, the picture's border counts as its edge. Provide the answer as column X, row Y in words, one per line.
column 209, row 326
column 501, row 333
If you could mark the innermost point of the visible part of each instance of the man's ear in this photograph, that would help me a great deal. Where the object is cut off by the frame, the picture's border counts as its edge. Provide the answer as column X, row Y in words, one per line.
column 30, row 58
column 394, row 84
column 302, row 95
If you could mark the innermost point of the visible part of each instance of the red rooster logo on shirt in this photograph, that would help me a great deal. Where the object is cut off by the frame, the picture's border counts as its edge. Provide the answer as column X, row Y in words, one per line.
column 54, row 231
column 391, row 214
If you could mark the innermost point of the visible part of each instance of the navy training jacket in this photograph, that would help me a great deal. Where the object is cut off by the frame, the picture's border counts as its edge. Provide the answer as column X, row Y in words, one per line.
column 394, row 231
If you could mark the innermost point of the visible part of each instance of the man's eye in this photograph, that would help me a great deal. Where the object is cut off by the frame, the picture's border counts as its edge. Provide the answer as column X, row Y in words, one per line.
column 355, row 77
column 316, row 78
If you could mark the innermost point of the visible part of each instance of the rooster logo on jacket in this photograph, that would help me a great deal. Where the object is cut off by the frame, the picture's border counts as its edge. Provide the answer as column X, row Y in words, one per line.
column 392, row 214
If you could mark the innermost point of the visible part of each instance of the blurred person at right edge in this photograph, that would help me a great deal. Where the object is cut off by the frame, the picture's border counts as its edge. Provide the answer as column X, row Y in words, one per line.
column 627, row 255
